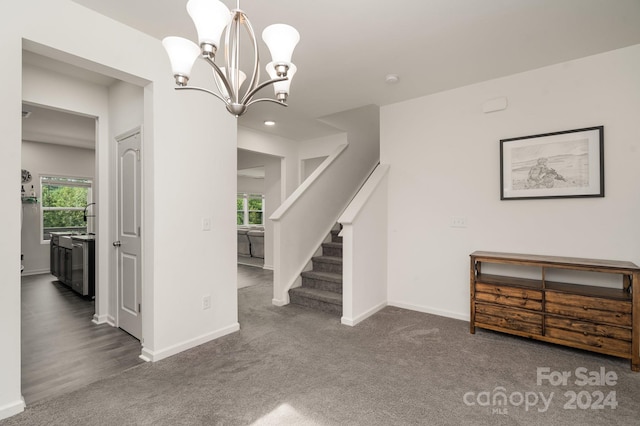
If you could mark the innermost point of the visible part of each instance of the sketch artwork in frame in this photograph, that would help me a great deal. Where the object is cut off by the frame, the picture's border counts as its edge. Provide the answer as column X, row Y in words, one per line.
column 553, row 165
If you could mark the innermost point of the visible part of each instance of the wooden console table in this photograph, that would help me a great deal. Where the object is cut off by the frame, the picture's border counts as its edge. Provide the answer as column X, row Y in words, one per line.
column 598, row 319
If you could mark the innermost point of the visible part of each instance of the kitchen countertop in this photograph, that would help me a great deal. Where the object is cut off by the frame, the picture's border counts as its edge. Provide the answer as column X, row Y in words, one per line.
column 83, row 237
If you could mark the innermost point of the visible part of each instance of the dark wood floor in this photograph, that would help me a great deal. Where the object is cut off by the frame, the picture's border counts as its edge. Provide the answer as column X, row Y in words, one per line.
column 62, row 350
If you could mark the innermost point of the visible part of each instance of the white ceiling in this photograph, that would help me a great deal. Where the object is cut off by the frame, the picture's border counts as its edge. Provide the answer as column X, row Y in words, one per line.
column 348, row 47
column 48, row 125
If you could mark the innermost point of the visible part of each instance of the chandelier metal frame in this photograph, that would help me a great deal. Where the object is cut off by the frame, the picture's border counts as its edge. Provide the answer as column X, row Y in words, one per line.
column 229, row 79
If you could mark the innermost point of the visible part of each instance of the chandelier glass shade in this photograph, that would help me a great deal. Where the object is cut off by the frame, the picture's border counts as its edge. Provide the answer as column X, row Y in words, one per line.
column 212, row 20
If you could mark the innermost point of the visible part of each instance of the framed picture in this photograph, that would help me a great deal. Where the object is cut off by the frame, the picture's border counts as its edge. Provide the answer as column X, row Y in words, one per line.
column 553, row 165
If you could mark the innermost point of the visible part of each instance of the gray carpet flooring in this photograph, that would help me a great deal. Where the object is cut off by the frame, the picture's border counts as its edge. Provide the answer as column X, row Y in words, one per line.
column 293, row 366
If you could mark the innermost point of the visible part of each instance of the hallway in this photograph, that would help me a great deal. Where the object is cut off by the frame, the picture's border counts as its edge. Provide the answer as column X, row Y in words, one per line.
column 62, row 350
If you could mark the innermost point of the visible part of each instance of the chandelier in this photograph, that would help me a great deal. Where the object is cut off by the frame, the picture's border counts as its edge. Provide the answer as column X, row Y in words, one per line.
column 211, row 19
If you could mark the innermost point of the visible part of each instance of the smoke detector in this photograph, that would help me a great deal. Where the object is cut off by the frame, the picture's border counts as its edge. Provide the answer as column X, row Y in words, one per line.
column 392, row 78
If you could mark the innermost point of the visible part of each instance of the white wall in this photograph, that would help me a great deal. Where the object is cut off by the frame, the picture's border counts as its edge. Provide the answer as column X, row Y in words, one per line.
column 309, row 165
column 264, row 143
column 312, row 152
column 48, row 160
column 178, row 151
column 250, row 185
column 444, row 157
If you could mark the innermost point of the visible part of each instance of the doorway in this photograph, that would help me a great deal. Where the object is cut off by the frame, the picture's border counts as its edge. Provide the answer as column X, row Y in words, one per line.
column 88, row 338
column 259, row 182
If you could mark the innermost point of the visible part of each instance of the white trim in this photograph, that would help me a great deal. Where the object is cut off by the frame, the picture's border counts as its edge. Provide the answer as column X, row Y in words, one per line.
column 363, row 316
column 430, row 310
column 36, row 272
column 153, row 356
column 286, row 205
column 146, row 355
column 12, row 409
column 368, row 189
column 103, row 319
column 278, row 302
column 268, row 267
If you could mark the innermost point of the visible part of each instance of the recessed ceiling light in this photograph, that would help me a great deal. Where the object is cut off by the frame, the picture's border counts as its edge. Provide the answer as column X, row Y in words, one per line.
column 269, row 123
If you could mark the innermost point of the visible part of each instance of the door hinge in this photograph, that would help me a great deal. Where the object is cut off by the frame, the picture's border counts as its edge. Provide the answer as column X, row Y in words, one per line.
column 139, row 308
column 138, row 154
column 139, row 232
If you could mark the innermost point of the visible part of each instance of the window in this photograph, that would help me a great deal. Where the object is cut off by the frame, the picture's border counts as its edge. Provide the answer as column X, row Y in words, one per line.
column 250, row 209
column 63, row 204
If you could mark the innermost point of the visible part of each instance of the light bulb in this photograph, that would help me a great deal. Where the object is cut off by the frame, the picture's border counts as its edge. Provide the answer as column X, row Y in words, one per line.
column 280, row 87
column 223, row 88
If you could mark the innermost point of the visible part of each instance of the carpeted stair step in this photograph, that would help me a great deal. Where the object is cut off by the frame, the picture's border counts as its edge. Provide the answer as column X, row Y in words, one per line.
column 328, row 281
column 334, row 236
column 332, row 249
column 327, row 264
column 326, row 301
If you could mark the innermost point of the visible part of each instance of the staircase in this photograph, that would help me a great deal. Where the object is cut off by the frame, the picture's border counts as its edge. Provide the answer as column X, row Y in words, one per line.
column 322, row 286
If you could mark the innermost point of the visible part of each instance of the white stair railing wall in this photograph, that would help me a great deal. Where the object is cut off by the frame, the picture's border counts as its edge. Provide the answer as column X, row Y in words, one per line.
column 364, row 250
column 305, row 219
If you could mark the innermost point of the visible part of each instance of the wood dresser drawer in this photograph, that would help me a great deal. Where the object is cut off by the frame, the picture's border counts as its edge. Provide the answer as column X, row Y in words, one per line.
column 512, row 319
column 603, row 344
column 596, row 309
column 589, row 328
column 509, row 296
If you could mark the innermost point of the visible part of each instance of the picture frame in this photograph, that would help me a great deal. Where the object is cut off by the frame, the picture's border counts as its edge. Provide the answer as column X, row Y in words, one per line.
column 564, row 164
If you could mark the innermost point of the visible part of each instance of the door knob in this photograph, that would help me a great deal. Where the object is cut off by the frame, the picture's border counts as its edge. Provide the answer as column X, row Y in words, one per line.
column 117, row 243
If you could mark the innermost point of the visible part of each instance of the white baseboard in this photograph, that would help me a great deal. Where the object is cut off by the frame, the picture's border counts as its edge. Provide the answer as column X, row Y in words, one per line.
column 278, row 302
column 36, row 272
column 269, row 267
column 430, row 310
column 102, row 319
column 153, row 356
column 363, row 316
column 12, row 409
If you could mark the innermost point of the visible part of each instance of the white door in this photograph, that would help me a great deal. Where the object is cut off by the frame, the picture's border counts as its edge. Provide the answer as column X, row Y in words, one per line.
column 128, row 241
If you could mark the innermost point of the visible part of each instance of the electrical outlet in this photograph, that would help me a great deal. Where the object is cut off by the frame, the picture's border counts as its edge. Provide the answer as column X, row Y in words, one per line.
column 206, row 302
column 458, row 222
column 206, row 224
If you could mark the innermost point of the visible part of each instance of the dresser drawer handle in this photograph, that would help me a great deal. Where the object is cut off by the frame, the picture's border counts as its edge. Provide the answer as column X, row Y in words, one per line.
column 585, row 333
column 586, row 308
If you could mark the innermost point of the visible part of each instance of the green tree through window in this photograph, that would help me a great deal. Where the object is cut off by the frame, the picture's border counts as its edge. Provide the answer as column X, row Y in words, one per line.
column 250, row 209
column 63, row 204
column 255, row 211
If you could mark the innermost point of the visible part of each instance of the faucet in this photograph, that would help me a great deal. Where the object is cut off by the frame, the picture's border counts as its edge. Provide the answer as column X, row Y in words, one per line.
column 85, row 216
